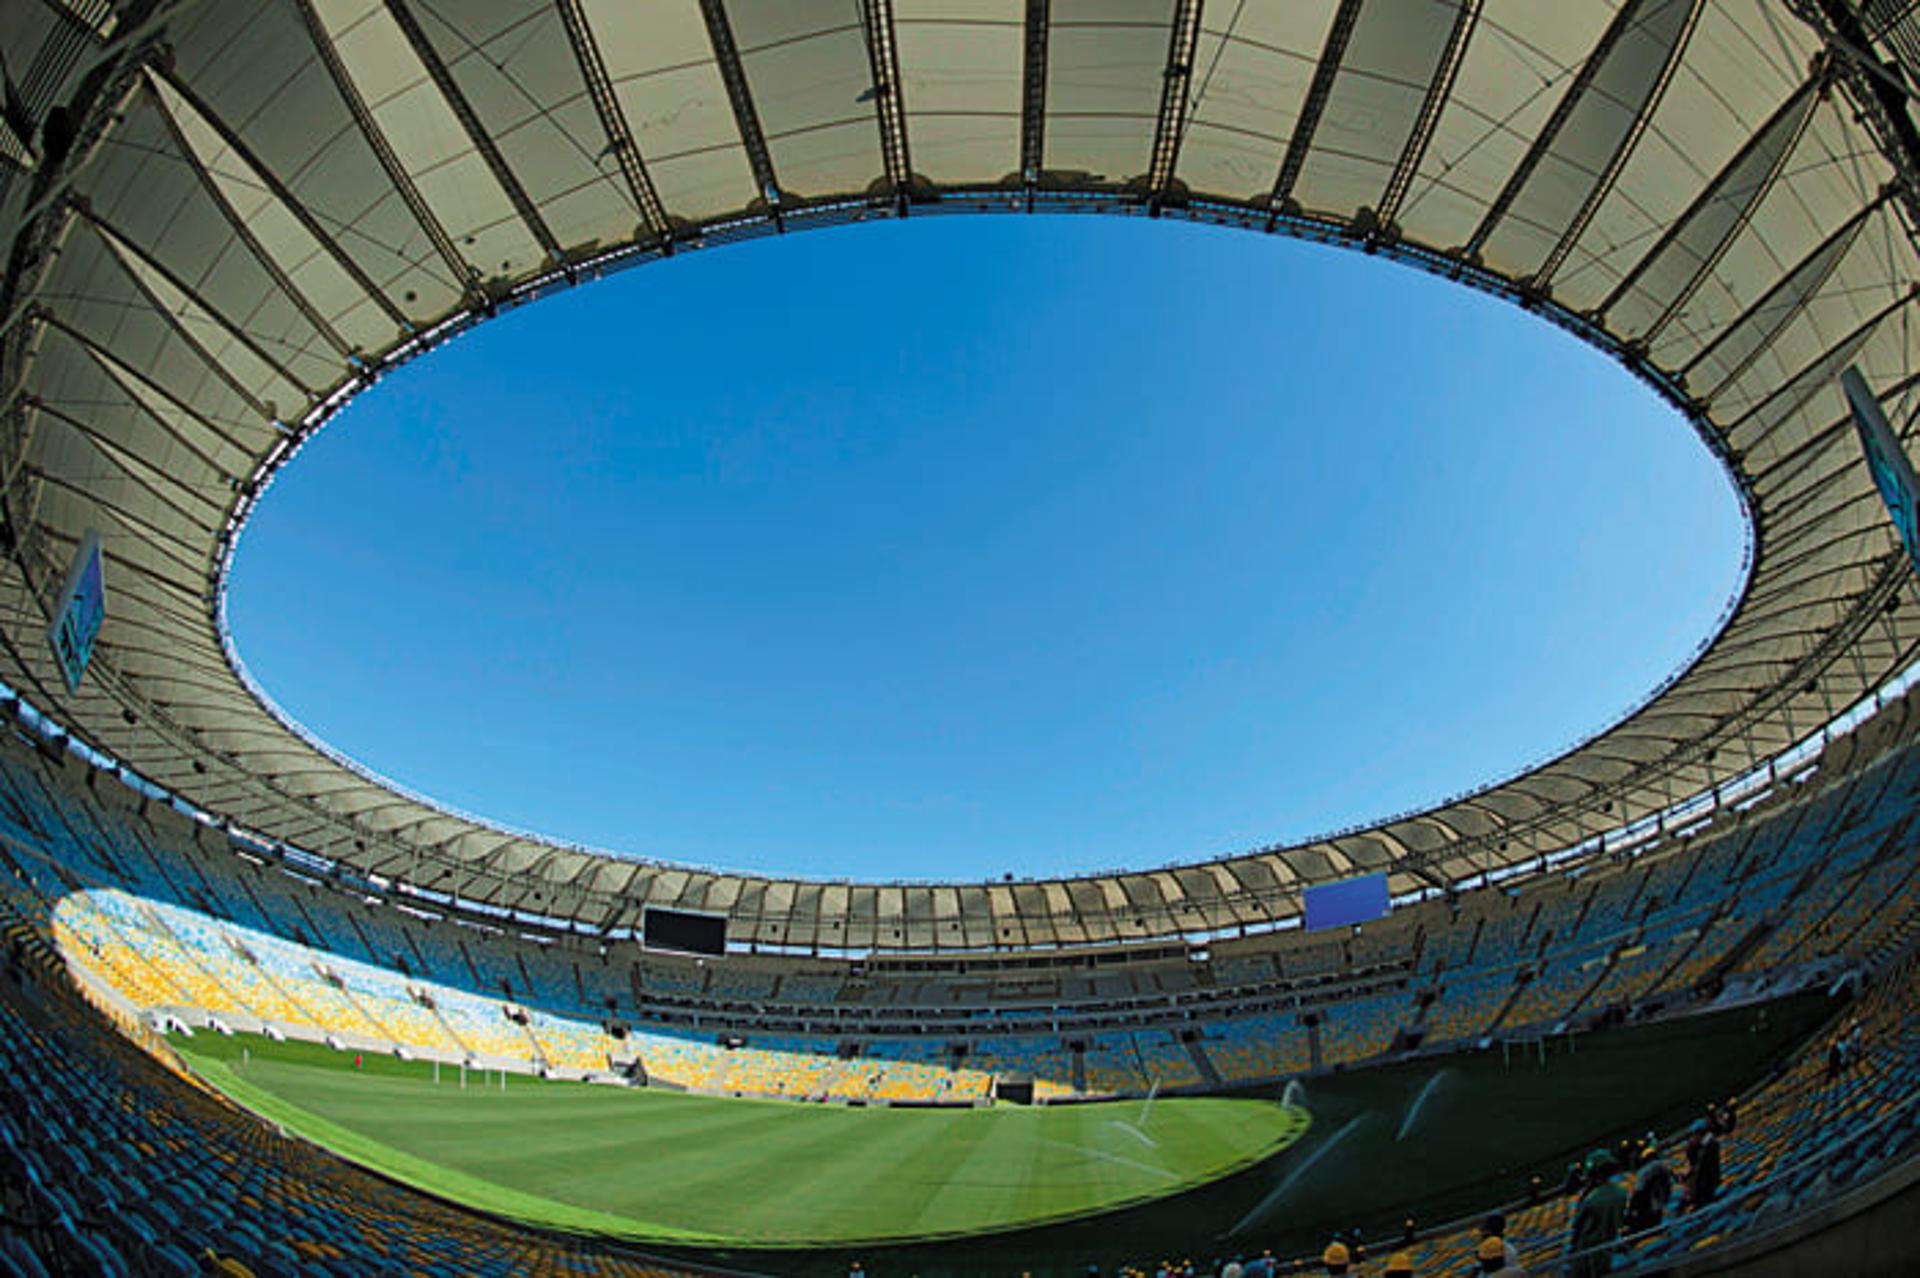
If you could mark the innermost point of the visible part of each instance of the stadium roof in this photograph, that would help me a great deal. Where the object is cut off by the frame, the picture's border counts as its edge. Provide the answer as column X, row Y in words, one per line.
column 226, row 217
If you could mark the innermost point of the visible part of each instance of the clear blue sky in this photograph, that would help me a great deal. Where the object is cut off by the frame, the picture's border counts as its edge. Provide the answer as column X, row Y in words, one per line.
column 955, row 546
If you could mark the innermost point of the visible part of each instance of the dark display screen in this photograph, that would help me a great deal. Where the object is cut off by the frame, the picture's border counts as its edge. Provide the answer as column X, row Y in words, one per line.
column 686, row 933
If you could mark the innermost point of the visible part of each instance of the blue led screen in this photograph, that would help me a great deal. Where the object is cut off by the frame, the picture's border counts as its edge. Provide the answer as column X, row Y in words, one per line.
column 1348, row 901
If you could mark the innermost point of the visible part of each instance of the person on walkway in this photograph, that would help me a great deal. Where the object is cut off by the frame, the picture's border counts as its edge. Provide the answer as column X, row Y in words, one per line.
column 1494, row 1225
column 1652, row 1187
column 1493, row 1258
column 1598, row 1219
column 1702, row 1183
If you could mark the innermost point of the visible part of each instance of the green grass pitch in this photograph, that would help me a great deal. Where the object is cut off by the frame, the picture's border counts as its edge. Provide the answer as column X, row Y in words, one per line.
column 674, row 1168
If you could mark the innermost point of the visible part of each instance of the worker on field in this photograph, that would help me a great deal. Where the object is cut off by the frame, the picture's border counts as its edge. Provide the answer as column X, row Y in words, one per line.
column 1336, row 1258
column 1598, row 1219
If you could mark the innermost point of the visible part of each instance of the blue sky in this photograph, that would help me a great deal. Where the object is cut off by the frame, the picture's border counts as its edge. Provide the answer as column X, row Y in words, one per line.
column 958, row 546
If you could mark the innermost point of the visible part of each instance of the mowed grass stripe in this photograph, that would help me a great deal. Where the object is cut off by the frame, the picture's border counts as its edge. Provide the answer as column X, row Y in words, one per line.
column 680, row 1168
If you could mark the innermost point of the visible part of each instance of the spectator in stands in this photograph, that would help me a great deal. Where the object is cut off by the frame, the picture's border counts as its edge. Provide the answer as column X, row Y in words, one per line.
column 1495, row 1257
column 1262, row 1266
column 1233, row 1269
column 1494, row 1225
column 1576, row 1180
column 225, row 1266
column 1652, row 1187
column 1702, row 1184
column 1399, row 1265
column 1336, row 1258
column 1598, row 1218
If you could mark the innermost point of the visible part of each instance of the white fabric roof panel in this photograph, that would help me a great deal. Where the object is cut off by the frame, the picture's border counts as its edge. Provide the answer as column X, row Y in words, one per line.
column 1106, row 60
column 960, row 71
column 426, row 137
column 1255, row 65
column 672, row 96
column 512, row 63
column 806, row 63
column 1374, row 103
column 271, row 203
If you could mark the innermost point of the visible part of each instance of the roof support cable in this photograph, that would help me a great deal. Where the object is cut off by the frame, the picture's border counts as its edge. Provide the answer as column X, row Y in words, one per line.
column 1033, row 98
column 1603, row 184
column 746, row 117
column 1771, row 146
column 889, row 105
column 613, row 121
column 1318, row 92
column 1875, row 90
column 294, row 206
column 476, row 131
column 127, row 252
column 147, row 472
column 1439, row 90
column 1802, row 282
column 1623, row 21
column 123, row 374
column 1176, row 99
column 243, row 232
column 462, row 273
column 1814, row 376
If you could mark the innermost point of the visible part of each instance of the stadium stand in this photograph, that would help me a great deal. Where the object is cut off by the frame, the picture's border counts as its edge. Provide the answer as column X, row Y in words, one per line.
column 225, row 219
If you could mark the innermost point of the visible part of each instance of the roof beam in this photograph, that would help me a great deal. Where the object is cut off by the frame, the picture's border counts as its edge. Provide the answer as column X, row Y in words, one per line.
column 120, row 456
column 294, row 206
column 1792, row 116
column 120, row 374
column 1603, row 185
column 1176, row 84
column 1315, row 105
column 1439, row 89
column 746, row 118
column 1811, row 377
column 1033, row 94
column 1623, row 22
column 460, row 271
column 123, row 247
column 889, row 103
column 1806, row 277
column 613, row 120
column 442, row 77
column 243, row 232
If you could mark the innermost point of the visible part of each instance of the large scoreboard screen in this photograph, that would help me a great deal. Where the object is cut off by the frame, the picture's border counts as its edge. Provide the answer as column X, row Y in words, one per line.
column 1348, row 901
column 77, row 615
column 682, row 932
column 1886, row 461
